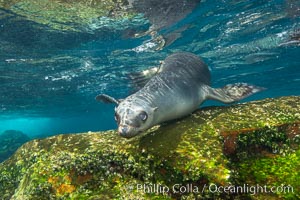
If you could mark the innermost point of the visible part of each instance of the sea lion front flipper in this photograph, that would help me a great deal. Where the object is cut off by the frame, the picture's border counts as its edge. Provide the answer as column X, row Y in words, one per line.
column 173, row 36
column 139, row 79
column 107, row 99
column 233, row 92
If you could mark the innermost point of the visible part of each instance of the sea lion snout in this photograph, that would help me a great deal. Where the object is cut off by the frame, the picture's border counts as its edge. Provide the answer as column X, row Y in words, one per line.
column 123, row 130
column 126, row 131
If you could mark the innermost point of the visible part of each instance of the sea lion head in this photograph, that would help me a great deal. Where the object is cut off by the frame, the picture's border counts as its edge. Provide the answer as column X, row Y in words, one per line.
column 133, row 119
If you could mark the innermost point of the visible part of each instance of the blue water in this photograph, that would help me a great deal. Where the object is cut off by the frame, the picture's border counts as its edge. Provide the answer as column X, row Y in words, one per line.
column 49, row 78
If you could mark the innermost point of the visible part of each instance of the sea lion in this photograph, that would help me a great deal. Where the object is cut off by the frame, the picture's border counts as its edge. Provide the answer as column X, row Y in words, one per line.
column 164, row 14
column 177, row 89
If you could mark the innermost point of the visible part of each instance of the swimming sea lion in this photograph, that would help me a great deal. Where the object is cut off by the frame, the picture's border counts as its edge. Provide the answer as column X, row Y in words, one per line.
column 163, row 14
column 178, row 88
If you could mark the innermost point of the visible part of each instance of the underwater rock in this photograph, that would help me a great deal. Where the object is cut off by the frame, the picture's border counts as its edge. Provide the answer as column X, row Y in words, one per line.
column 247, row 145
column 10, row 141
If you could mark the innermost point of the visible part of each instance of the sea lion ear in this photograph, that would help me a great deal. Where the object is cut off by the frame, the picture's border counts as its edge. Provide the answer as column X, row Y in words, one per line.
column 107, row 99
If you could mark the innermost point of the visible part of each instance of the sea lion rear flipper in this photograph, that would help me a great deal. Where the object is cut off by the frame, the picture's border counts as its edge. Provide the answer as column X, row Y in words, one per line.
column 233, row 92
column 107, row 99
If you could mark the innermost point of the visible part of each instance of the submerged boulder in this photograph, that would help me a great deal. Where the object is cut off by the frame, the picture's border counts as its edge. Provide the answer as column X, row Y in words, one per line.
column 10, row 141
column 216, row 152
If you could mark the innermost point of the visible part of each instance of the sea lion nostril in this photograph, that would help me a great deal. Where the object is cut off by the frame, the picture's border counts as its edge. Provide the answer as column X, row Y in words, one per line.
column 124, row 129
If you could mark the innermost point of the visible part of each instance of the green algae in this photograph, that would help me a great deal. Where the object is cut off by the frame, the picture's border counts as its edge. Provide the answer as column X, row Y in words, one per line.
column 266, row 141
column 188, row 151
column 278, row 171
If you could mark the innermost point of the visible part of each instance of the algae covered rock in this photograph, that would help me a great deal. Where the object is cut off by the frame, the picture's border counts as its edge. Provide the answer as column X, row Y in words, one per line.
column 205, row 155
column 10, row 141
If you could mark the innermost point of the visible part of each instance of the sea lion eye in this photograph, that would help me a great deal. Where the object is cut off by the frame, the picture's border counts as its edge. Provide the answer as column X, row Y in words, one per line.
column 143, row 116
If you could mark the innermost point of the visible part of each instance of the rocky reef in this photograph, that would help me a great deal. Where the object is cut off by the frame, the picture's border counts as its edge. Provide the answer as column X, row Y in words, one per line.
column 10, row 141
column 243, row 151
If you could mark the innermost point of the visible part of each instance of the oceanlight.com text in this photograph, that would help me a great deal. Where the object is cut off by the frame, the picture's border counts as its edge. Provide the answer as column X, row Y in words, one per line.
column 249, row 189
column 212, row 188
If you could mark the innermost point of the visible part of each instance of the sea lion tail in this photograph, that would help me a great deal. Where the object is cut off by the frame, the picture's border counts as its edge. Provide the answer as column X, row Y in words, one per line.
column 233, row 92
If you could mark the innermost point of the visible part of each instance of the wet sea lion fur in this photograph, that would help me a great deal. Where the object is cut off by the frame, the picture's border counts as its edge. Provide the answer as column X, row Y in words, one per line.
column 177, row 89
